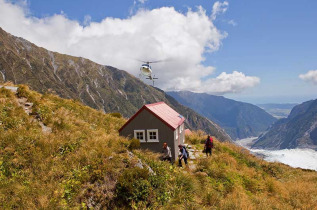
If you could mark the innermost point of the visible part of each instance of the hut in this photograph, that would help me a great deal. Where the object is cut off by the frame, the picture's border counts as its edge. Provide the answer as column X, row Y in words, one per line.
column 188, row 132
column 155, row 124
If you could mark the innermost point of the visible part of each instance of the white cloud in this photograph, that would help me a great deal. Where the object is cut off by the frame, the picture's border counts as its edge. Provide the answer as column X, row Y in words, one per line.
column 232, row 22
column 142, row 1
column 219, row 8
column 156, row 34
column 137, row 4
column 226, row 83
column 310, row 76
column 87, row 20
column 301, row 158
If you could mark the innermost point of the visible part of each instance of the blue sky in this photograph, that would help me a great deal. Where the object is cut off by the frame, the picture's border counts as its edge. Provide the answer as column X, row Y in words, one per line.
column 274, row 41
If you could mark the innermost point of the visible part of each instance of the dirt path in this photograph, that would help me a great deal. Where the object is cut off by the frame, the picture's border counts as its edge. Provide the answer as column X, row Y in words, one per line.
column 194, row 155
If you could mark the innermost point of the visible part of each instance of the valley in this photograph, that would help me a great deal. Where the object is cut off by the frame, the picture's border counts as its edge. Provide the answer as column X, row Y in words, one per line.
column 297, row 158
column 240, row 120
column 278, row 110
column 298, row 130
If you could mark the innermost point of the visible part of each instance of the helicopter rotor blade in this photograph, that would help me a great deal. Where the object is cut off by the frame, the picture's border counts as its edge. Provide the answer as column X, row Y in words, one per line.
column 156, row 61
column 141, row 61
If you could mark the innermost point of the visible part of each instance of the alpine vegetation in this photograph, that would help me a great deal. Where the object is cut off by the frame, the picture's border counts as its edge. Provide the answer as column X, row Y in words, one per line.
column 60, row 154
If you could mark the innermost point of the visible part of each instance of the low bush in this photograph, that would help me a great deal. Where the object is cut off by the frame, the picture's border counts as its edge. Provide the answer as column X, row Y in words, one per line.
column 116, row 114
column 134, row 144
column 133, row 188
column 196, row 137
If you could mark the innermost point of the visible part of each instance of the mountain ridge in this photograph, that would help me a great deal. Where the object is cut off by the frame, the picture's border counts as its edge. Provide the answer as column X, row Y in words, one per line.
column 240, row 120
column 98, row 86
column 298, row 130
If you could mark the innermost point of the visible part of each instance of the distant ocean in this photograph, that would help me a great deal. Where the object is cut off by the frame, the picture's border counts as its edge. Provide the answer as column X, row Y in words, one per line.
column 297, row 158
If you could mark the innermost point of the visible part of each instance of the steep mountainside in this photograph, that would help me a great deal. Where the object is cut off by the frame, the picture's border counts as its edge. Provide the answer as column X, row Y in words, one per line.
column 240, row 120
column 101, row 87
column 299, row 130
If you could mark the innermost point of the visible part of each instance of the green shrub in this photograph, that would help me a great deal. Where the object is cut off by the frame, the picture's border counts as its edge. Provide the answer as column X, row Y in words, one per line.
column 5, row 92
column 211, row 198
column 24, row 91
column 45, row 113
column 134, row 144
column 133, row 187
column 272, row 169
column 193, row 140
column 116, row 114
column 197, row 137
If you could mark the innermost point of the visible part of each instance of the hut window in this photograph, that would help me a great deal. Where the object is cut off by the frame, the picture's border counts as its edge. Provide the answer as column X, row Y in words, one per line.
column 152, row 135
column 176, row 133
column 181, row 128
column 139, row 134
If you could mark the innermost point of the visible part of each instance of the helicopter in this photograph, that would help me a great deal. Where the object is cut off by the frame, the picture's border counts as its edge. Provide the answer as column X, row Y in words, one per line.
column 146, row 70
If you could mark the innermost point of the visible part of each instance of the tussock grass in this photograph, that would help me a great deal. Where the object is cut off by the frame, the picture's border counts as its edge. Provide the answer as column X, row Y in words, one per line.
column 84, row 163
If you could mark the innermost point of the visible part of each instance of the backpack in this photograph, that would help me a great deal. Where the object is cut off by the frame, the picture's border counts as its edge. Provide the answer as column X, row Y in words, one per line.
column 209, row 143
column 187, row 153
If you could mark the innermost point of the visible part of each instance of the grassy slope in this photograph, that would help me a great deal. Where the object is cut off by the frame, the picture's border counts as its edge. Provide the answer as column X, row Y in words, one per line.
column 84, row 162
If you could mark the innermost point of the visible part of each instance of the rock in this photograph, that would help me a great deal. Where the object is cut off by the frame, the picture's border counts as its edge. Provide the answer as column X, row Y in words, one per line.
column 192, row 157
column 28, row 104
column 192, row 166
column 140, row 164
column 45, row 129
column 13, row 89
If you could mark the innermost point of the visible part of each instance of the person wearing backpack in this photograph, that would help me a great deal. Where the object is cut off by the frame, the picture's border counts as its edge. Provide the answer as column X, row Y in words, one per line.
column 209, row 144
column 183, row 155
column 187, row 153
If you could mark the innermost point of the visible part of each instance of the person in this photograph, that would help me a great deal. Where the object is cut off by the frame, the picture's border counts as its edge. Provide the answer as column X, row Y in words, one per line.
column 208, row 146
column 167, row 154
column 183, row 155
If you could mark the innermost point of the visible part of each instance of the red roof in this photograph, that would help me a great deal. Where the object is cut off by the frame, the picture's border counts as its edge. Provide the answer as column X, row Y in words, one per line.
column 163, row 112
column 188, row 132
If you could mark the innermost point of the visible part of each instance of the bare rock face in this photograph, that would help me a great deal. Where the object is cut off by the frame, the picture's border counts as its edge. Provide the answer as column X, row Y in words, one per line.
column 101, row 87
